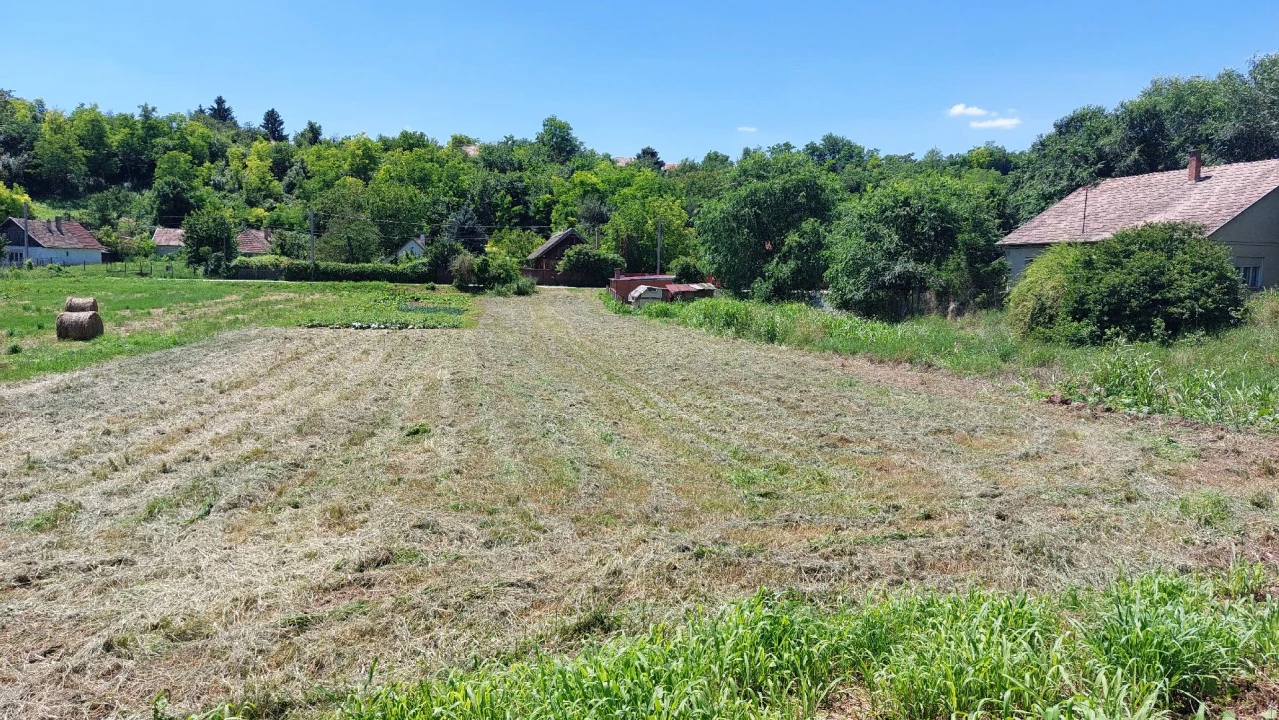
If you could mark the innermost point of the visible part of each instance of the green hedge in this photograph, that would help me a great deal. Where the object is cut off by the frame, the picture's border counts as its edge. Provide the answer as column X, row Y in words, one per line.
column 290, row 269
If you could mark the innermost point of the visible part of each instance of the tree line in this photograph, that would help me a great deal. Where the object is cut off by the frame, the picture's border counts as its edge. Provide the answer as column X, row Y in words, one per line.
column 887, row 233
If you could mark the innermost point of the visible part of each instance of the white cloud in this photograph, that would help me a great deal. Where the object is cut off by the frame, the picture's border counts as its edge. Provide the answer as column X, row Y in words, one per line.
column 999, row 123
column 962, row 109
column 747, row 129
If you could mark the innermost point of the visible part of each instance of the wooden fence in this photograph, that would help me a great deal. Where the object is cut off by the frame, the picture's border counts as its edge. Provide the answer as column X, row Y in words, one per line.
column 555, row 277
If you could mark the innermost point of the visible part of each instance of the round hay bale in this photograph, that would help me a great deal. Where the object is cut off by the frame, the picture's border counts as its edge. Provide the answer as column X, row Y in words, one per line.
column 75, row 304
column 79, row 325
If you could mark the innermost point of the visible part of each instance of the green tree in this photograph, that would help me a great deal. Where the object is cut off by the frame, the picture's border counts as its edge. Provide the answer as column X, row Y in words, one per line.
column 174, row 200
column 558, row 141
column 647, row 157
column 58, row 162
column 209, row 238
column 221, row 111
column 770, row 198
column 11, row 200
column 930, row 232
column 176, row 165
column 273, row 126
column 517, row 243
column 631, row 232
column 310, row 135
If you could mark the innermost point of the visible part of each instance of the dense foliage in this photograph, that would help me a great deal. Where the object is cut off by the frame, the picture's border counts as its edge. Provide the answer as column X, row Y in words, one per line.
column 890, row 234
column 1154, row 282
column 594, row 265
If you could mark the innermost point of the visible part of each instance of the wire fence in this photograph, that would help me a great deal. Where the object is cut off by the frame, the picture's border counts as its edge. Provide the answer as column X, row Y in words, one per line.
column 119, row 268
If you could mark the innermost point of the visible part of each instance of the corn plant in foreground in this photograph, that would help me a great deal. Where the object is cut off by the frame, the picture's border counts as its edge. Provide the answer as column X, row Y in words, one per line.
column 1145, row 647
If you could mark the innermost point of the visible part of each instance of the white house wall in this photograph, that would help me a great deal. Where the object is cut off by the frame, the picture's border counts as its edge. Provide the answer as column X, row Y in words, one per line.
column 41, row 255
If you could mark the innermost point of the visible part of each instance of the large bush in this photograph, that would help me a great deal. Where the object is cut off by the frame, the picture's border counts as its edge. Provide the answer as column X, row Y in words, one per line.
column 489, row 270
column 1153, row 282
column 591, row 263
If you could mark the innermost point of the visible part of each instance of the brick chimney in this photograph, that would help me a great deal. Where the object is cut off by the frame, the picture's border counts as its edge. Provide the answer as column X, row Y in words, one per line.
column 57, row 220
column 1196, row 164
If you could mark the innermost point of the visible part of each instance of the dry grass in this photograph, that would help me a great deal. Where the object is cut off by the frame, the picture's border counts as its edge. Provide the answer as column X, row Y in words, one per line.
column 253, row 515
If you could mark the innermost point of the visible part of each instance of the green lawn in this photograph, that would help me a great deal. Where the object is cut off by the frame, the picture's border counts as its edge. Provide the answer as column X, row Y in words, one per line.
column 147, row 314
column 1230, row 378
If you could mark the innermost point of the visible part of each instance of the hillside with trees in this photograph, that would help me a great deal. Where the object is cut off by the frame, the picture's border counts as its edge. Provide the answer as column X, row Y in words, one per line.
column 882, row 230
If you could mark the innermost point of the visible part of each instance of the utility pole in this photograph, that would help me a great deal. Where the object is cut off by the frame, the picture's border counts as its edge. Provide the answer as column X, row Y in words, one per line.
column 659, row 244
column 26, row 232
column 310, row 214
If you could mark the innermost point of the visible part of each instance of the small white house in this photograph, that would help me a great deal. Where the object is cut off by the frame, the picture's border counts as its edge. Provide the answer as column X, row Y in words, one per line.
column 168, row 241
column 50, row 242
column 412, row 249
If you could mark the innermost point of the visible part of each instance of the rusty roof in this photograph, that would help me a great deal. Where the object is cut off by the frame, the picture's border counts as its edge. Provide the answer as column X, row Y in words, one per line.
column 689, row 287
column 1096, row 212
column 168, row 237
column 72, row 236
column 254, row 241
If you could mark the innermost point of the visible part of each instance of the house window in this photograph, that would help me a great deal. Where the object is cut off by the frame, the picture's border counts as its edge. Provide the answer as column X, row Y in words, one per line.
column 1251, row 276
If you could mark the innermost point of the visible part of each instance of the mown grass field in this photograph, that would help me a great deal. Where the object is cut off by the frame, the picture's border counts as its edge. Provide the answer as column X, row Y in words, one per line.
column 564, row 512
column 148, row 314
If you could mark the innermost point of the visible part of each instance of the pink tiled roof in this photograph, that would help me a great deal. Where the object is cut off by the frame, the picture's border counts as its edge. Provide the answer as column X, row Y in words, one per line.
column 72, row 236
column 168, row 237
column 254, row 242
column 1222, row 193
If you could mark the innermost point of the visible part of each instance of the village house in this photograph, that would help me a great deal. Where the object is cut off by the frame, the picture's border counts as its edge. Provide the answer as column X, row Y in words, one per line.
column 548, row 256
column 254, row 242
column 1237, row 204
column 168, row 241
column 50, row 242
column 413, row 249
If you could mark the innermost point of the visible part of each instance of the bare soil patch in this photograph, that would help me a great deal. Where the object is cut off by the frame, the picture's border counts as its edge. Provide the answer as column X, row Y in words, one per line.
column 273, row 509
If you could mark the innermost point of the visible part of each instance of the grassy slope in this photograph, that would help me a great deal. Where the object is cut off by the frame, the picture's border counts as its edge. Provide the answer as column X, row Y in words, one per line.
column 148, row 314
column 1231, row 378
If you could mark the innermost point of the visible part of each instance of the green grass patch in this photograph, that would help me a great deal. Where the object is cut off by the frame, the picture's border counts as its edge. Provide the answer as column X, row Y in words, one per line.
column 145, row 314
column 59, row 514
column 1230, row 378
column 1143, row 647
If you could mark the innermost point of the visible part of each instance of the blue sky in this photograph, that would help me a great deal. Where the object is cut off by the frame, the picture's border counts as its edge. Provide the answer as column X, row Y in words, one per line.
column 685, row 77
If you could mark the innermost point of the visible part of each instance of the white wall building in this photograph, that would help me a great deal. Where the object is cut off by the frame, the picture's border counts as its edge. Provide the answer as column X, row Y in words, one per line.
column 50, row 242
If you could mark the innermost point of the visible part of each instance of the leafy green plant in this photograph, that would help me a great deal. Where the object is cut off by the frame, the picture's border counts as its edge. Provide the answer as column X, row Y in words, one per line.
column 1154, row 282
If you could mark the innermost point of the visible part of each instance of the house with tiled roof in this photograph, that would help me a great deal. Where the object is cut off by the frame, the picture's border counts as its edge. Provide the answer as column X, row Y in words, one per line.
column 253, row 241
column 1237, row 205
column 49, row 242
column 168, row 241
